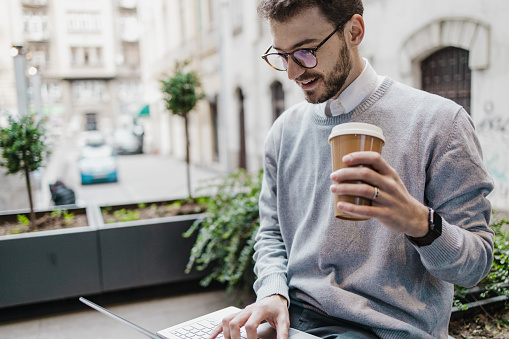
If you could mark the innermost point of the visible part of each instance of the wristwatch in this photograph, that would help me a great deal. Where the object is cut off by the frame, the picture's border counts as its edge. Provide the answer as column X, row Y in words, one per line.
column 435, row 230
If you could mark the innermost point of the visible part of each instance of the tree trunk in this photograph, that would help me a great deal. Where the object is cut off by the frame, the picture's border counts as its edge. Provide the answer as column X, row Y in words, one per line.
column 188, row 158
column 33, row 225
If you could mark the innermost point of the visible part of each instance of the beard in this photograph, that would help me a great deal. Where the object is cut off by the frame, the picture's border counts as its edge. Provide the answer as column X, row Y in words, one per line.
column 333, row 82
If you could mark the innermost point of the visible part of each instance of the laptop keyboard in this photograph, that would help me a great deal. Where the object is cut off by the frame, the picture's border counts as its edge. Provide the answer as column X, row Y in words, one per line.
column 201, row 330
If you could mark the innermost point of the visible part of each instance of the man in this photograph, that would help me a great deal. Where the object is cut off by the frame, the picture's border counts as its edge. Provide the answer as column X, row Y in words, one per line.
column 391, row 276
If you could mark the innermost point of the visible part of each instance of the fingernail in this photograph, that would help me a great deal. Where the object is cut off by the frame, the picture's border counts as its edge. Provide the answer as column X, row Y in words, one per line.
column 347, row 158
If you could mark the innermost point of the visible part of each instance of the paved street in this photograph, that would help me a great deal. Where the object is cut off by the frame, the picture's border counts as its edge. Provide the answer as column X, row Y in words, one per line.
column 142, row 177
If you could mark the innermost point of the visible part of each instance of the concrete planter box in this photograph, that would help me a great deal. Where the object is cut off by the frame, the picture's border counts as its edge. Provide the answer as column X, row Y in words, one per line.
column 49, row 265
column 145, row 252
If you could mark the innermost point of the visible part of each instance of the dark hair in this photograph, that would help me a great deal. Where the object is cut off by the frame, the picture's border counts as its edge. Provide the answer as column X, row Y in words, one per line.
column 338, row 12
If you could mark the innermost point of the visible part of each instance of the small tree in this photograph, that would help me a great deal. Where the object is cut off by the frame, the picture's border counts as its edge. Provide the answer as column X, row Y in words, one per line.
column 181, row 93
column 23, row 151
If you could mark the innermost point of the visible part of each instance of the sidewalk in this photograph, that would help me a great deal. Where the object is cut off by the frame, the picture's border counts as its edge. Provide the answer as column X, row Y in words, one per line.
column 71, row 319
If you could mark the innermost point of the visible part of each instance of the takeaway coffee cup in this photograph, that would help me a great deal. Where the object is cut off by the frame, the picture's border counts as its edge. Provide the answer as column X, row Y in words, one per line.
column 347, row 138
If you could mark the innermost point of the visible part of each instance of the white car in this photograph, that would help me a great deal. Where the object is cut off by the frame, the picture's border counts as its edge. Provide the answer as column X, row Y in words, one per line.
column 126, row 141
column 98, row 164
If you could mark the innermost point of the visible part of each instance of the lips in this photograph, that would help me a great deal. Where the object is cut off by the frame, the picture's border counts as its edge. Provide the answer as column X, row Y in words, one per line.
column 308, row 84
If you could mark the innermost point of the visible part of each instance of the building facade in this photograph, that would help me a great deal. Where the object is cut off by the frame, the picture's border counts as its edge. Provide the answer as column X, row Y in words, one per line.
column 456, row 48
column 87, row 58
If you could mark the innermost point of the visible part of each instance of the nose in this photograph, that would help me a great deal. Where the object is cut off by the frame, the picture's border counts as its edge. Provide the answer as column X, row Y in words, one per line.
column 294, row 70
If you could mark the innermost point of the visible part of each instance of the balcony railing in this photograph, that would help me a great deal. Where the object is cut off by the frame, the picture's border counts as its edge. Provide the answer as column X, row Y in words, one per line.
column 34, row 3
column 128, row 4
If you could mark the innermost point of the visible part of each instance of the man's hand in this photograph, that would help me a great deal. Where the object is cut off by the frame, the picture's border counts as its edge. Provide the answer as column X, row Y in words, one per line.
column 394, row 207
column 273, row 309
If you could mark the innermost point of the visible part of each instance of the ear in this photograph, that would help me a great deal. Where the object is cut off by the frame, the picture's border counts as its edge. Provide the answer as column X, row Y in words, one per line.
column 356, row 30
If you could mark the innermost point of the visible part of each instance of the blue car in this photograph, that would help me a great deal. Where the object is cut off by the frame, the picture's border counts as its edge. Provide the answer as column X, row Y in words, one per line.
column 98, row 164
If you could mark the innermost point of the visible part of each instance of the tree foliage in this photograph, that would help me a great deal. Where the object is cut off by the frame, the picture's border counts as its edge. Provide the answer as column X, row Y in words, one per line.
column 23, row 150
column 182, row 90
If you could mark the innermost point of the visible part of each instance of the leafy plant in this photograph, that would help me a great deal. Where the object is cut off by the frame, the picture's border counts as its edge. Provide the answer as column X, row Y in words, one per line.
column 181, row 93
column 497, row 280
column 22, row 219
column 496, row 283
column 23, row 151
column 63, row 213
column 226, row 235
column 123, row 215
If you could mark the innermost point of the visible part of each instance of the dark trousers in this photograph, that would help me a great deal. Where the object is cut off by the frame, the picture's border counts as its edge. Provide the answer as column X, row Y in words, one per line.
column 325, row 327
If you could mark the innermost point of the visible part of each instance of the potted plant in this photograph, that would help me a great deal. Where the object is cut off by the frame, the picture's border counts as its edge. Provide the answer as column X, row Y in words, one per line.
column 46, row 264
column 23, row 151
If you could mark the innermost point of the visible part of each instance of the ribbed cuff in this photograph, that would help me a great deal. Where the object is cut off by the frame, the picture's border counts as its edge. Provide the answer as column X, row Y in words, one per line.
column 270, row 285
column 444, row 248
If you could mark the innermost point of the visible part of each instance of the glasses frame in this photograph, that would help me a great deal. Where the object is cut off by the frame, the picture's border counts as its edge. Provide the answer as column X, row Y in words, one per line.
column 286, row 55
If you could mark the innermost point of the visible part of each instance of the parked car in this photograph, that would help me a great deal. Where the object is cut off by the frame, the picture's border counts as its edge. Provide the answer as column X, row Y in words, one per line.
column 98, row 164
column 127, row 141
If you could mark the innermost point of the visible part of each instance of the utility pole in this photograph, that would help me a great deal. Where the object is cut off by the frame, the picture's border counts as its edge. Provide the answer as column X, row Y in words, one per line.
column 20, row 79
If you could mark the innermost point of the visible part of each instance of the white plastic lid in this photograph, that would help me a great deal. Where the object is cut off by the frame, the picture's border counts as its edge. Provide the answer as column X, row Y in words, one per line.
column 357, row 128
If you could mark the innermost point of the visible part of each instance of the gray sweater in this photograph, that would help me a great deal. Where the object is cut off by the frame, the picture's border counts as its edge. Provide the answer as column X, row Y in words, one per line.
column 361, row 271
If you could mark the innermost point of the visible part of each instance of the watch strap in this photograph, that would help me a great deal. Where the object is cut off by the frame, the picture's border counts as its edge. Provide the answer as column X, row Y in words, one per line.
column 434, row 230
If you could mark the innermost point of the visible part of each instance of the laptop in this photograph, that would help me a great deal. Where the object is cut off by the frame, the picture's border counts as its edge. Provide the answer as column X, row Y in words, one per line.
column 198, row 328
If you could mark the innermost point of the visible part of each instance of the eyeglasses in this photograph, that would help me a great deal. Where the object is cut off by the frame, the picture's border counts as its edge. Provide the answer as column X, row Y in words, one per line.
column 305, row 57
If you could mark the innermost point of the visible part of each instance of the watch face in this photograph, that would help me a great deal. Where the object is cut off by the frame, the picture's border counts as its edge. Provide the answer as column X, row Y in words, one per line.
column 437, row 224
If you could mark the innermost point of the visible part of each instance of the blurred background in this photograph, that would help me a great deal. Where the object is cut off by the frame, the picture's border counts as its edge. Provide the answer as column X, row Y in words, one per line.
column 92, row 70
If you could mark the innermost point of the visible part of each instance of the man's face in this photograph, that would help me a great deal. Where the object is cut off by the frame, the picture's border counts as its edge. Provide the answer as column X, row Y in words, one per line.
column 307, row 30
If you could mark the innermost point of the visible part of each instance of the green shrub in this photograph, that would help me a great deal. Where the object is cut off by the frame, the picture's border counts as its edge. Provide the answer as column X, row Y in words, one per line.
column 497, row 279
column 496, row 283
column 227, row 234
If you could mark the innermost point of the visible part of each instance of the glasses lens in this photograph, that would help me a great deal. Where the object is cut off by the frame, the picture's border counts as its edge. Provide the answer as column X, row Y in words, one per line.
column 277, row 61
column 305, row 58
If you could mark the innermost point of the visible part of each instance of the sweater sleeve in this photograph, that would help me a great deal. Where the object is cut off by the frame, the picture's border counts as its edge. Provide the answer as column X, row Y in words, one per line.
column 457, row 186
column 270, row 251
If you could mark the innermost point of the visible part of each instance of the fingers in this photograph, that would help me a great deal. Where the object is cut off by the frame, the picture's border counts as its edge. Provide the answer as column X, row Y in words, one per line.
column 216, row 331
column 282, row 327
column 359, row 190
column 241, row 319
column 272, row 309
column 373, row 159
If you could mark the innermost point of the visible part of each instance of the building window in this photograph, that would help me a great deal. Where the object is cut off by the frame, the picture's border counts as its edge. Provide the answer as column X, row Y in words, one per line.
column 278, row 99
column 83, row 22
column 89, row 91
column 91, row 122
column 35, row 26
column 447, row 74
column 215, row 128
column 86, row 56
column 131, row 55
column 129, row 27
column 128, row 91
column 38, row 55
column 51, row 92
column 242, row 129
